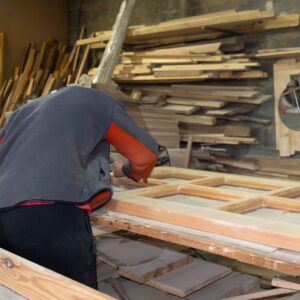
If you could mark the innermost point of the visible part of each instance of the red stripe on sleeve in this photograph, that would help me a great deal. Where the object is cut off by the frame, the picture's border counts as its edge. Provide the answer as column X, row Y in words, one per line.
column 141, row 158
column 1, row 139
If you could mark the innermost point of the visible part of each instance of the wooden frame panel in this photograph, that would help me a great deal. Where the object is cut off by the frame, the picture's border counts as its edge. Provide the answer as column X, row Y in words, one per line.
column 226, row 219
column 189, row 189
column 276, row 259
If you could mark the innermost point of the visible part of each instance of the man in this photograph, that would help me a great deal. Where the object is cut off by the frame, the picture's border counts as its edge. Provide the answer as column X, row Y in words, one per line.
column 54, row 170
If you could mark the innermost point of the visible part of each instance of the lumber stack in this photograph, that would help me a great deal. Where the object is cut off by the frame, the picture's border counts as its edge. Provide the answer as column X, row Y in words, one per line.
column 171, row 66
column 42, row 69
column 211, row 113
column 197, row 62
column 159, row 266
column 161, row 124
column 255, row 165
column 196, row 28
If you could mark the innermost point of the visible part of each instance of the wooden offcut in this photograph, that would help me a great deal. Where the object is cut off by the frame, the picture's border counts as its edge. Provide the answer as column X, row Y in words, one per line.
column 190, row 278
column 167, row 261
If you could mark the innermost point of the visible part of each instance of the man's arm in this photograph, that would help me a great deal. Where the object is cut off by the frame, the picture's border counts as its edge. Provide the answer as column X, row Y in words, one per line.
column 132, row 142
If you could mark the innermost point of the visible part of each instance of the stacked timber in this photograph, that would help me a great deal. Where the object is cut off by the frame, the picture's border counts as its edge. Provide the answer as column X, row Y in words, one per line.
column 253, row 165
column 177, row 66
column 211, row 113
column 42, row 69
column 197, row 62
column 197, row 28
column 161, row 124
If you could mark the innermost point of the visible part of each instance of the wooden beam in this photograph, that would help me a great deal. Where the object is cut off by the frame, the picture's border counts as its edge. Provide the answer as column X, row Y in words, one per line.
column 113, row 49
column 36, row 282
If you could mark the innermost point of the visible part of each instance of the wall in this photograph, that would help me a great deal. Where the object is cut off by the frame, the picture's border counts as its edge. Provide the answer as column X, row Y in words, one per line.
column 100, row 15
column 31, row 20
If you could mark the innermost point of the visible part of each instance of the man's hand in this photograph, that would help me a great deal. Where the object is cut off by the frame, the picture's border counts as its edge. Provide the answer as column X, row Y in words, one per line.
column 117, row 168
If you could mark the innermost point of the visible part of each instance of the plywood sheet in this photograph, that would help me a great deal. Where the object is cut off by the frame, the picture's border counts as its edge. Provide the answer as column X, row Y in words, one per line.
column 232, row 285
column 190, row 278
column 118, row 251
column 167, row 261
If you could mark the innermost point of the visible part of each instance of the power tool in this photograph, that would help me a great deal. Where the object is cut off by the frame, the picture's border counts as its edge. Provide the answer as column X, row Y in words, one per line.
column 163, row 156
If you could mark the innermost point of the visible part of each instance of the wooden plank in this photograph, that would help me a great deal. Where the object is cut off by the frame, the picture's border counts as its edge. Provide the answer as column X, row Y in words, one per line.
column 117, row 251
column 250, row 119
column 194, row 49
column 263, row 294
column 217, row 87
column 231, row 285
column 164, row 263
column 153, row 79
column 188, row 152
column 77, row 51
column 282, row 21
column 278, row 53
column 219, row 139
column 174, row 39
column 195, row 102
column 229, row 110
column 241, row 75
column 82, row 63
column 181, row 109
column 240, row 131
column 190, row 278
column 48, row 86
column 204, row 67
column 35, row 282
column 192, row 25
column 277, row 282
column 238, row 164
column 114, row 47
column 202, row 120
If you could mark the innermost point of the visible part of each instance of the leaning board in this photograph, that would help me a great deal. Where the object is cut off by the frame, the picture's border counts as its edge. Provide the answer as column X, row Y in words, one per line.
column 258, row 210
